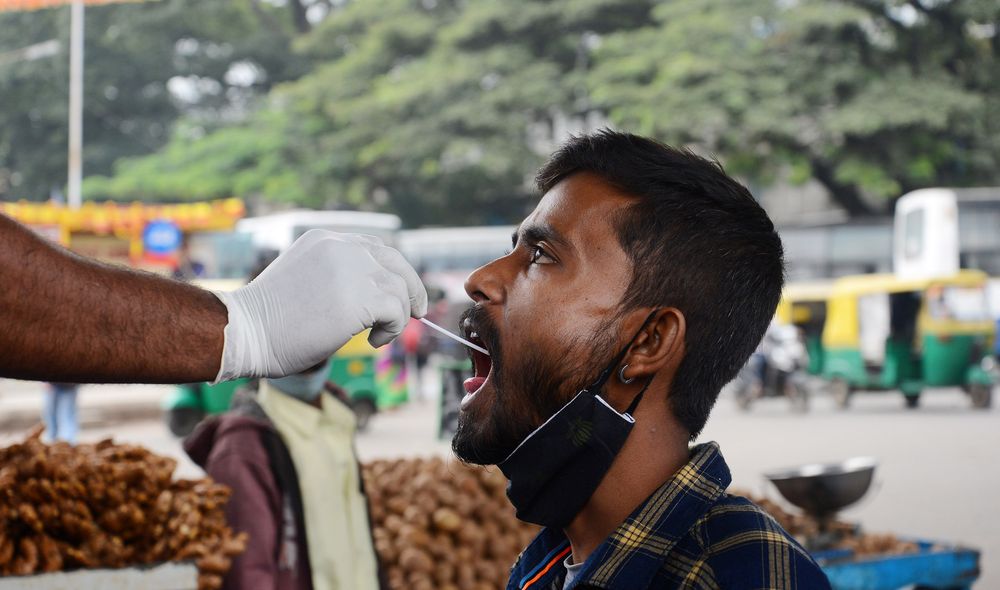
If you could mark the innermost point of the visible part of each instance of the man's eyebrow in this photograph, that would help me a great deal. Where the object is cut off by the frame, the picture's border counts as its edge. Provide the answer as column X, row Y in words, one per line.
column 533, row 234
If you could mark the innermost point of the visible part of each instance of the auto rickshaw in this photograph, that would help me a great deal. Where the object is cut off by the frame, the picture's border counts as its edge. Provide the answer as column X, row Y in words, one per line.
column 803, row 305
column 885, row 333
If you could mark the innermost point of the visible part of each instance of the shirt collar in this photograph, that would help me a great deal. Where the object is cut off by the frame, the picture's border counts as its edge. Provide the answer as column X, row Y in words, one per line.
column 286, row 411
column 641, row 543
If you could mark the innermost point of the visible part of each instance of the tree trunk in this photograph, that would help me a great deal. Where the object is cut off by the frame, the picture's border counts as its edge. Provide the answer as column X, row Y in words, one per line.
column 846, row 195
column 299, row 18
column 264, row 18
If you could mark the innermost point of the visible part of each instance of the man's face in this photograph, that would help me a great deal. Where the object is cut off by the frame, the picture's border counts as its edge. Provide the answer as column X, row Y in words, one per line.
column 547, row 313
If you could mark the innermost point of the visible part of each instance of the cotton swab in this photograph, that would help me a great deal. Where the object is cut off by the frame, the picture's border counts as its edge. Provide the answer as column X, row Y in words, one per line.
column 431, row 324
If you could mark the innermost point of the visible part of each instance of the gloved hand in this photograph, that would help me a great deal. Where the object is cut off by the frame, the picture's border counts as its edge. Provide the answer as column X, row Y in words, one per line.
column 310, row 301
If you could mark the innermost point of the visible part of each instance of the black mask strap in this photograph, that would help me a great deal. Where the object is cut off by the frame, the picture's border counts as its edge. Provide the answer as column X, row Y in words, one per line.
column 638, row 398
column 606, row 373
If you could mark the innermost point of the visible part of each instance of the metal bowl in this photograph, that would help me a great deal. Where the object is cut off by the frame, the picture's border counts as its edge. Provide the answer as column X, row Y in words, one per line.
column 823, row 490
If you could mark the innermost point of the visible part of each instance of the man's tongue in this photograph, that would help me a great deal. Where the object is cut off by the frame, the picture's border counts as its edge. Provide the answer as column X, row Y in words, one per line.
column 472, row 384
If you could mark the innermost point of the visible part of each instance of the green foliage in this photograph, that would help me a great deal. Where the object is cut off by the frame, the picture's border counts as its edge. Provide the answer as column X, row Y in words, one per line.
column 872, row 97
column 215, row 166
column 131, row 54
column 423, row 108
column 441, row 110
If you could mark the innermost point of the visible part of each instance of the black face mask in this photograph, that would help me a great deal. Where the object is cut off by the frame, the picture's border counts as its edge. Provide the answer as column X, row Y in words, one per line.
column 555, row 470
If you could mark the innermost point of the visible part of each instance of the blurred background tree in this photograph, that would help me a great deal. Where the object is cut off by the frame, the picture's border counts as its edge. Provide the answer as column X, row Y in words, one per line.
column 872, row 98
column 146, row 65
column 440, row 110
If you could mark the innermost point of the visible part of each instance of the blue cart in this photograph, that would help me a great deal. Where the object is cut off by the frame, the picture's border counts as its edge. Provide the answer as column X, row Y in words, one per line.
column 934, row 566
column 822, row 490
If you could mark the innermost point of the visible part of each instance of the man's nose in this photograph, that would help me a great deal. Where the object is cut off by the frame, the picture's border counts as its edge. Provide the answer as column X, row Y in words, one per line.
column 485, row 284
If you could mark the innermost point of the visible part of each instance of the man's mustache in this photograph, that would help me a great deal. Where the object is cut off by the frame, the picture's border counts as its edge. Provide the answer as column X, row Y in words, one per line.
column 477, row 320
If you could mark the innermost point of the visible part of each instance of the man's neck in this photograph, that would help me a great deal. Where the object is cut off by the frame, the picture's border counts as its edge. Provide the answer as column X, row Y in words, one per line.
column 653, row 452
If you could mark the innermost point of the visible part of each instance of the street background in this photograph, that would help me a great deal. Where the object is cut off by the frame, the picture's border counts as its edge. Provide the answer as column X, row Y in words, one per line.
column 198, row 140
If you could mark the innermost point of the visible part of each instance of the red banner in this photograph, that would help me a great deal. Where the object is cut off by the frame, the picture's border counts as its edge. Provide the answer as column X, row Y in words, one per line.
column 11, row 5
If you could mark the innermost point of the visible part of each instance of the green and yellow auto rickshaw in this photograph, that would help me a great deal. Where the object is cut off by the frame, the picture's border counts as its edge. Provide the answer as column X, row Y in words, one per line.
column 372, row 379
column 803, row 305
column 883, row 333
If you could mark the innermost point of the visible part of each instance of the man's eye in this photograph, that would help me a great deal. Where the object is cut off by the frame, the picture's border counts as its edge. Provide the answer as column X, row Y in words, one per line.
column 540, row 256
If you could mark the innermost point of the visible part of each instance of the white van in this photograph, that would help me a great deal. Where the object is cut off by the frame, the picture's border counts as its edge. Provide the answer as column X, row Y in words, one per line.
column 277, row 231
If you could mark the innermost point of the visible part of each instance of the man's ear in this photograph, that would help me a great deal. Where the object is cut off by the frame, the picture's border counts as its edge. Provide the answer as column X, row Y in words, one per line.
column 659, row 346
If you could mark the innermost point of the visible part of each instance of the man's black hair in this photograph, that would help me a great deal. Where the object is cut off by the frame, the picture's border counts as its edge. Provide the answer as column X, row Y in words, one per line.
column 698, row 242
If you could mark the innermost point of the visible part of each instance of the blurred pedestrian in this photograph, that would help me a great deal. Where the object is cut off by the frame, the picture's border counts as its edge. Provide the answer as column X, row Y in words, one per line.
column 287, row 451
column 414, row 357
column 59, row 412
column 188, row 268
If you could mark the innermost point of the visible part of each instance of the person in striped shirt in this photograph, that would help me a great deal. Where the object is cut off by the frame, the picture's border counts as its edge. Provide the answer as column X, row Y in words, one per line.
column 635, row 290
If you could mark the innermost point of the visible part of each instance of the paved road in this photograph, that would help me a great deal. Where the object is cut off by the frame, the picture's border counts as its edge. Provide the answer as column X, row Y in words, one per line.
column 21, row 403
column 938, row 475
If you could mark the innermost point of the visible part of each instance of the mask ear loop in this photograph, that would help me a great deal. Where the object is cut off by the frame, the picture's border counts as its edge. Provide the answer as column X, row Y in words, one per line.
column 638, row 397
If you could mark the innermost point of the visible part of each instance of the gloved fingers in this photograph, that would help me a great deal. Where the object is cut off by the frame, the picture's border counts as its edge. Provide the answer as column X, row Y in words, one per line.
column 365, row 239
column 389, row 258
column 379, row 337
column 314, row 235
column 390, row 309
column 390, row 283
column 392, row 260
column 391, row 321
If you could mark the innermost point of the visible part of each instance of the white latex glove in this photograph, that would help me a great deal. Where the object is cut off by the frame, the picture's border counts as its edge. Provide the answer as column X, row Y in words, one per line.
column 323, row 290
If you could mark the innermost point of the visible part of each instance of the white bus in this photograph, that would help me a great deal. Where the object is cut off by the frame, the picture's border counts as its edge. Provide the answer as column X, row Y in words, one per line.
column 454, row 248
column 277, row 231
column 939, row 230
column 925, row 241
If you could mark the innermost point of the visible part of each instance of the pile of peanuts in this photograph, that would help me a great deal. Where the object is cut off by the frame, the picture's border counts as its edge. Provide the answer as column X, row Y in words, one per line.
column 106, row 505
column 443, row 525
column 804, row 527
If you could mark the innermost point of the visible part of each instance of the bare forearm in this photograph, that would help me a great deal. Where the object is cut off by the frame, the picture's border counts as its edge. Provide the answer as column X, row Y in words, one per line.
column 65, row 318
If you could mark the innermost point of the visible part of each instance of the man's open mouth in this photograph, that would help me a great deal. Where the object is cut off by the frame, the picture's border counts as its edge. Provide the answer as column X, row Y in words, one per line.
column 481, row 364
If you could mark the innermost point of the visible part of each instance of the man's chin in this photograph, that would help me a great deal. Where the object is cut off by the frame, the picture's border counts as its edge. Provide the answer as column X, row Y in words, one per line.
column 470, row 456
column 472, row 445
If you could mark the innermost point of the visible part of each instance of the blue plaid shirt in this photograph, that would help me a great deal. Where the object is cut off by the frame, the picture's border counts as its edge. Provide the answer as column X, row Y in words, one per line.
column 689, row 534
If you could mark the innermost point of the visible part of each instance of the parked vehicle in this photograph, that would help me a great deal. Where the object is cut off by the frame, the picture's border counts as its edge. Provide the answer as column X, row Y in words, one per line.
column 803, row 305
column 994, row 303
column 883, row 332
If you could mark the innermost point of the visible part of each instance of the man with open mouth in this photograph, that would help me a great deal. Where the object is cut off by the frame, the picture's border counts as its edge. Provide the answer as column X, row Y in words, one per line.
column 634, row 291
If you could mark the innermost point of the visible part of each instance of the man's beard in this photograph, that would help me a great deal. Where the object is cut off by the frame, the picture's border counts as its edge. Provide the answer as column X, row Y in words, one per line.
column 528, row 392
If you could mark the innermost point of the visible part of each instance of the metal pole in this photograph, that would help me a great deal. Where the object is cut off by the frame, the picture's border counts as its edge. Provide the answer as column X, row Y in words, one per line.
column 75, row 174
